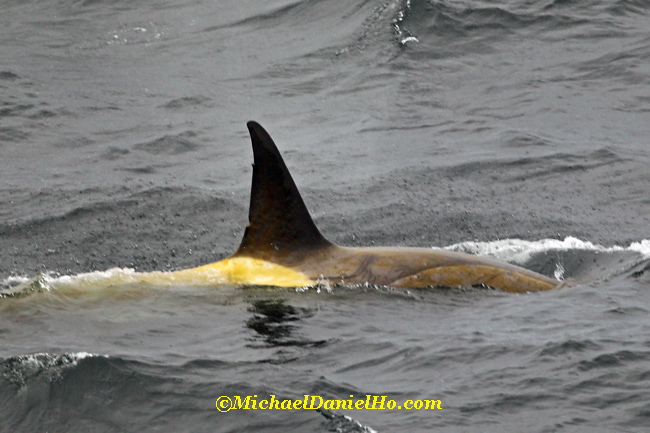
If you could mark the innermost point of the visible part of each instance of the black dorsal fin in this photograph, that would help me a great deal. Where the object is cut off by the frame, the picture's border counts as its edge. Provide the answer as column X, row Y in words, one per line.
column 279, row 223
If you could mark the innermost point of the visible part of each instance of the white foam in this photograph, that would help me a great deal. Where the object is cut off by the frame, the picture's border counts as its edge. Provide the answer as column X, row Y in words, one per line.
column 642, row 247
column 14, row 281
column 116, row 278
column 22, row 367
column 46, row 361
column 520, row 251
column 40, row 357
column 124, row 275
column 365, row 428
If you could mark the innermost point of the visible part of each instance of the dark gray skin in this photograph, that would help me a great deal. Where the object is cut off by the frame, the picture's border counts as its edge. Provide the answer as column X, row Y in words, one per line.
column 281, row 231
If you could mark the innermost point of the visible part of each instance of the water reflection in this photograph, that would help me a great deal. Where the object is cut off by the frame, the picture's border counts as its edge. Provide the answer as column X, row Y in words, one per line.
column 277, row 323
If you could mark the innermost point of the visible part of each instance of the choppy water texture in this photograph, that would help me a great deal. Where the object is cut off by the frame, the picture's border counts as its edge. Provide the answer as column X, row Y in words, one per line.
column 515, row 129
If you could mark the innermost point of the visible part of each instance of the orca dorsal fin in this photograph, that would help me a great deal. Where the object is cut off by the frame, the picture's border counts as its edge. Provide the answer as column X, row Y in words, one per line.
column 279, row 223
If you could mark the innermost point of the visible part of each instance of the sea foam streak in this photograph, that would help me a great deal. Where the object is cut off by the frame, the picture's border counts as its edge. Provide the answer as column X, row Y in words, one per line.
column 113, row 278
column 520, row 251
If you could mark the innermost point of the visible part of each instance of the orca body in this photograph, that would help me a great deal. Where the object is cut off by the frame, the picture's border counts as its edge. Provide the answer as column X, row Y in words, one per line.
column 283, row 247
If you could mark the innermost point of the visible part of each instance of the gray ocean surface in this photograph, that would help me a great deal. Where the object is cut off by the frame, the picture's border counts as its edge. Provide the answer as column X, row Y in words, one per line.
column 516, row 129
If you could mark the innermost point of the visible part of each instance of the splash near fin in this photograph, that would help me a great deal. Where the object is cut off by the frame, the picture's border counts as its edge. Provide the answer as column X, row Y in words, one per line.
column 279, row 223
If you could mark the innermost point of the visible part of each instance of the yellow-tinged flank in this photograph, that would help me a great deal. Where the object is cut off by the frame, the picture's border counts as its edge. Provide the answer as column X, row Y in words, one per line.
column 469, row 275
column 249, row 271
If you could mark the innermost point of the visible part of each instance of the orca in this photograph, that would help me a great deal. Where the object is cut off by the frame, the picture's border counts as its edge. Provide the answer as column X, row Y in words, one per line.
column 283, row 247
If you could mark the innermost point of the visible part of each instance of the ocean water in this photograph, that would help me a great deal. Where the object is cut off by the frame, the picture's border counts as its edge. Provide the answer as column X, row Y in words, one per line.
column 514, row 129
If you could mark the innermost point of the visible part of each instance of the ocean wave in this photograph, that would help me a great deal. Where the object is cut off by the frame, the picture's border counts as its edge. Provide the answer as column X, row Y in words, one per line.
column 460, row 20
column 19, row 369
column 521, row 251
column 344, row 423
column 572, row 259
